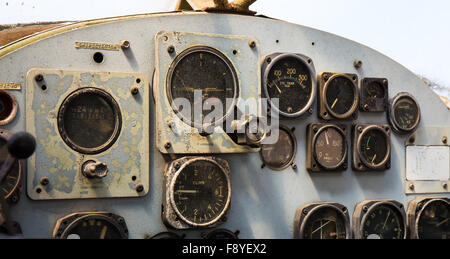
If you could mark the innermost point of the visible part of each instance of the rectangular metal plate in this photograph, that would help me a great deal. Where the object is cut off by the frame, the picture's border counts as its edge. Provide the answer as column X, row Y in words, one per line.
column 428, row 161
column 182, row 138
column 96, row 45
column 127, row 158
column 10, row 86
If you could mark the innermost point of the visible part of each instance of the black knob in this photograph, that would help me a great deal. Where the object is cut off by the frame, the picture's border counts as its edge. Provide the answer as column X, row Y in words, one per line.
column 21, row 145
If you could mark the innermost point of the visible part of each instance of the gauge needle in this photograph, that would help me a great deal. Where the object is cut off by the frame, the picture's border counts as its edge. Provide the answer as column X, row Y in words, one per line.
column 384, row 225
column 373, row 159
column 442, row 222
column 103, row 234
column 278, row 88
column 186, row 191
column 335, row 101
column 326, row 137
column 328, row 222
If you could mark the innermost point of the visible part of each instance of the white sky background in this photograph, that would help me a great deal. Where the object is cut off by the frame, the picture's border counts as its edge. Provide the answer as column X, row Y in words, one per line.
column 415, row 33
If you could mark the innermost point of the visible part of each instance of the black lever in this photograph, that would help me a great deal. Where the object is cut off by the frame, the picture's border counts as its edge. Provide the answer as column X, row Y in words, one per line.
column 21, row 145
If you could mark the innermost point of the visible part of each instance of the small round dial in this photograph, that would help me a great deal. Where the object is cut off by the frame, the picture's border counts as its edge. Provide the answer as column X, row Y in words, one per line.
column 290, row 80
column 330, row 147
column 200, row 192
column 434, row 220
column 406, row 113
column 341, row 96
column 204, row 77
column 280, row 155
column 374, row 147
column 383, row 221
column 325, row 223
column 89, row 120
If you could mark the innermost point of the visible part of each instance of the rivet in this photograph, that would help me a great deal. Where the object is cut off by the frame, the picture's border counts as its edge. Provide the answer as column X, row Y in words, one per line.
column 125, row 44
column 45, row 181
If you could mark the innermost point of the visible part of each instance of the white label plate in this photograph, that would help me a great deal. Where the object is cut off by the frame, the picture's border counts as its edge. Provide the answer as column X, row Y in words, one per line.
column 427, row 163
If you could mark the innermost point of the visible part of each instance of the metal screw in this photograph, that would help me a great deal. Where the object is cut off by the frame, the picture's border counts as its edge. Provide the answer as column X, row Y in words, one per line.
column 444, row 185
column 444, row 140
column 177, row 166
column 269, row 60
column 125, row 44
column 139, row 188
column 366, row 107
column 167, row 145
column 38, row 78
column 385, row 82
column 305, row 211
column 252, row 44
column 45, row 181
column 310, row 111
column 357, row 64
column 359, row 129
column 294, row 166
column 325, row 78
column 134, row 90
column 411, row 186
column 171, row 49
column 365, row 209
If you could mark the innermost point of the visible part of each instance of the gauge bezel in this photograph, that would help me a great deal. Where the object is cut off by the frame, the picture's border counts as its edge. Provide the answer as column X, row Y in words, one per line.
column 391, row 113
column 294, row 151
column 344, row 137
column 267, row 66
column 325, row 111
column 108, row 98
column 172, row 197
column 385, row 130
column 14, row 108
column 14, row 196
column 364, row 104
column 67, row 223
column 304, row 214
column 415, row 210
column 363, row 210
column 231, row 68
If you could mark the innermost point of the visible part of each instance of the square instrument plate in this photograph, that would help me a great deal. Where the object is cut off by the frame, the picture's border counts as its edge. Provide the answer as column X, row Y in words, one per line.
column 126, row 159
column 170, row 129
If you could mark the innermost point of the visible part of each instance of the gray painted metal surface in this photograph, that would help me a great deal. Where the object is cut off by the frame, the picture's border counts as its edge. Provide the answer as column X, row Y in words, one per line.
column 263, row 202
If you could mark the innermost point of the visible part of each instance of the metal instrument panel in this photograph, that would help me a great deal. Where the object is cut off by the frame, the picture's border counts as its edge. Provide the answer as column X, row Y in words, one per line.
column 264, row 202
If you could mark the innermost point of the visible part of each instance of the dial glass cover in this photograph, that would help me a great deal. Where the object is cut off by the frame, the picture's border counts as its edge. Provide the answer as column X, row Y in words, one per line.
column 373, row 147
column 290, row 80
column 201, row 192
column 340, row 95
column 434, row 221
column 93, row 227
column 325, row 223
column 204, row 77
column 330, row 147
column 89, row 120
column 374, row 90
column 280, row 154
column 406, row 113
column 11, row 181
column 383, row 222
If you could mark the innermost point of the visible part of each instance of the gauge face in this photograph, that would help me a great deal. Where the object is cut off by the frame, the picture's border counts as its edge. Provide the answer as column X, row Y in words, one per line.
column 325, row 223
column 383, row 222
column 289, row 79
column 10, row 183
column 201, row 193
column 89, row 120
column 406, row 113
column 374, row 90
column 373, row 147
column 280, row 155
column 434, row 221
column 330, row 148
column 204, row 77
column 340, row 95
column 93, row 227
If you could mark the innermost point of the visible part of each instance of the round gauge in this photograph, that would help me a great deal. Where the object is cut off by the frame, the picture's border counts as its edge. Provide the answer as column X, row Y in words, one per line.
column 433, row 221
column 341, row 96
column 374, row 90
column 325, row 222
column 204, row 77
column 92, row 226
column 89, row 120
column 290, row 78
column 200, row 192
column 404, row 113
column 280, row 155
column 383, row 221
column 8, row 108
column 330, row 147
column 374, row 147
column 10, row 186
